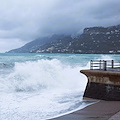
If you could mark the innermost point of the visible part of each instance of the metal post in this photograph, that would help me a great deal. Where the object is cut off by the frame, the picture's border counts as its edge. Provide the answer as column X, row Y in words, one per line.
column 100, row 65
column 105, row 65
column 112, row 64
column 91, row 65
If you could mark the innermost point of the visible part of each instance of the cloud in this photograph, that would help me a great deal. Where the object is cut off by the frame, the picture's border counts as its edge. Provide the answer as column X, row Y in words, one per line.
column 8, row 44
column 28, row 19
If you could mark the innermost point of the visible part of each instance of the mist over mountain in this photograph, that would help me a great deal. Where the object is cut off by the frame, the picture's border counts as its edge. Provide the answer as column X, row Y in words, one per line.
column 35, row 44
column 22, row 21
column 92, row 40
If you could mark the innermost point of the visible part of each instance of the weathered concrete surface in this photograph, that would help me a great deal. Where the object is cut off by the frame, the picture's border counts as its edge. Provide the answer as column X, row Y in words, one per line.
column 105, row 77
column 104, row 85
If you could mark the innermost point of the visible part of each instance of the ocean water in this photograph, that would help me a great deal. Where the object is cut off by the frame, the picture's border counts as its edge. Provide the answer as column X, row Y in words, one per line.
column 43, row 86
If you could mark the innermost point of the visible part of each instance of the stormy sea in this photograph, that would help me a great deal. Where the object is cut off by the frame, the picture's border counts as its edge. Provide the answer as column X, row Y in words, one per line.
column 43, row 86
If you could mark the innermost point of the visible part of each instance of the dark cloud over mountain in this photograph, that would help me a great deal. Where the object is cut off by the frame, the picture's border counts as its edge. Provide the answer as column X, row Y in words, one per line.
column 24, row 20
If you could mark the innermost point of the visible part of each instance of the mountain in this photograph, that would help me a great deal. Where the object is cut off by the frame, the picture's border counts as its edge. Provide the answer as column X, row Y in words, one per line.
column 35, row 44
column 93, row 40
column 98, row 40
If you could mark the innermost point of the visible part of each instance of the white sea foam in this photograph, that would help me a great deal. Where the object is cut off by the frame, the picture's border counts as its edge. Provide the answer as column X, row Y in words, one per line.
column 45, row 88
column 106, row 57
column 40, row 90
column 48, row 74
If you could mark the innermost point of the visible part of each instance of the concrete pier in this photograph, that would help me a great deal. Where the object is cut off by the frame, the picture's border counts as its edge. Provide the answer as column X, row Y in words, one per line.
column 102, row 85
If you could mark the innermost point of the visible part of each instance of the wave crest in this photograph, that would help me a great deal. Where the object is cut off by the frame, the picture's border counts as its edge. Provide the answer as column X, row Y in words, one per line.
column 42, row 74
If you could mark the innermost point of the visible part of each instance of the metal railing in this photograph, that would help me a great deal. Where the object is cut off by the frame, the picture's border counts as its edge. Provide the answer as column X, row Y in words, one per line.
column 105, row 65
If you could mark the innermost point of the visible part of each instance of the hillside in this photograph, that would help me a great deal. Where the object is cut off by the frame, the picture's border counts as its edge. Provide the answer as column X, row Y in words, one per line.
column 93, row 40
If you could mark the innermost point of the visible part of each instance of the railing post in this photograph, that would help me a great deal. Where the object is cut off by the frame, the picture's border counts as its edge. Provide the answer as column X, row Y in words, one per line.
column 104, row 65
column 112, row 64
column 91, row 65
column 100, row 65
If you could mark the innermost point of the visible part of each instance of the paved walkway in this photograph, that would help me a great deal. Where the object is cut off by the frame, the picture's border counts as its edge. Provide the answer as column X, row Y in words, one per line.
column 103, row 110
column 115, row 117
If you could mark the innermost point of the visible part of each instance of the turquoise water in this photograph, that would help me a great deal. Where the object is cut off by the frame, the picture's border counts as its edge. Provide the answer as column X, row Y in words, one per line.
column 43, row 86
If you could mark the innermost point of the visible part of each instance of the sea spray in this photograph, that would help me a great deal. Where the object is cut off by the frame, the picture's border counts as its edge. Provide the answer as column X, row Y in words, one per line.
column 42, row 86
column 43, row 74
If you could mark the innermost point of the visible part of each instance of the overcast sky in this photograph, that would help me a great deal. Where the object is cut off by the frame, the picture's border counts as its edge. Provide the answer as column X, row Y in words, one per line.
column 24, row 20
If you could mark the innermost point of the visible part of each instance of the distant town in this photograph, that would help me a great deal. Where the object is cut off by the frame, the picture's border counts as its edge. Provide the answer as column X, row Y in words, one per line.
column 94, row 40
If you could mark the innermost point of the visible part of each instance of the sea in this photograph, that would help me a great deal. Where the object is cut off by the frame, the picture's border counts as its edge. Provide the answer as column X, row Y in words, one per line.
column 43, row 86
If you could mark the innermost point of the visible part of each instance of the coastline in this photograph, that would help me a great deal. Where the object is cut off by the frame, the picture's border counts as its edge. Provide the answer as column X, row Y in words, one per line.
column 102, row 110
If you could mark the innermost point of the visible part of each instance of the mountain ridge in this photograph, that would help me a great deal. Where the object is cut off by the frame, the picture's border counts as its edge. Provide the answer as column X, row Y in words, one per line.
column 93, row 40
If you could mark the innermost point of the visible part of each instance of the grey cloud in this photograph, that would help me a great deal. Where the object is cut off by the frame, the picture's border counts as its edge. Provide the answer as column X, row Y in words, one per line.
column 8, row 44
column 28, row 19
column 107, row 10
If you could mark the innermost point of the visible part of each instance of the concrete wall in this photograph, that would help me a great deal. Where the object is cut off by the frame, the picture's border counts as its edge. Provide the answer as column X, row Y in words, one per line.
column 103, row 85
